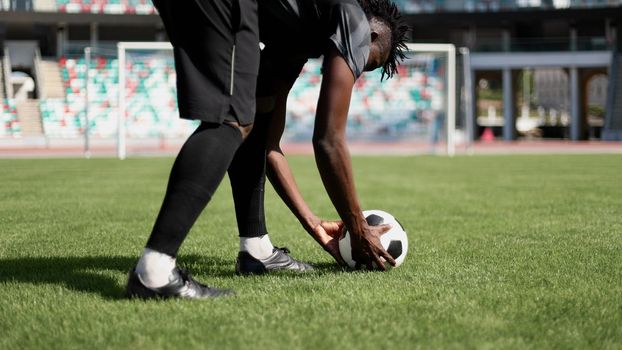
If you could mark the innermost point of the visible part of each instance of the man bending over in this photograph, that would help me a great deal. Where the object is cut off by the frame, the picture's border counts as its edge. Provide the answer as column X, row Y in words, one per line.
column 353, row 37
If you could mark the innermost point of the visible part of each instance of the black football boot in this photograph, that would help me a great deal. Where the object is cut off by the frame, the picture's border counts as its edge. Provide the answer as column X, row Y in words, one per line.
column 280, row 260
column 181, row 285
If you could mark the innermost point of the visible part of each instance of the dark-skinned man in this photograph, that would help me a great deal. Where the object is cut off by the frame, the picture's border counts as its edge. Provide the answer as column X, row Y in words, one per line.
column 353, row 37
column 213, row 87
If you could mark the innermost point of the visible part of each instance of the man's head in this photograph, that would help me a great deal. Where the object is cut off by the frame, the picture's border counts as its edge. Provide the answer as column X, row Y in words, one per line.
column 388, row 33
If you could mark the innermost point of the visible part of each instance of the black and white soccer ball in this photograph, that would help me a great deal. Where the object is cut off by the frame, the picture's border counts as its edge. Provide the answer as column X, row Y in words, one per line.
column 395, row 241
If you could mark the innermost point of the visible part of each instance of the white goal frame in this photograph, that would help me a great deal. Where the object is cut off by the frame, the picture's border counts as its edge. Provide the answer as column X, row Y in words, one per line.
column 448, row 49
column 450, row 88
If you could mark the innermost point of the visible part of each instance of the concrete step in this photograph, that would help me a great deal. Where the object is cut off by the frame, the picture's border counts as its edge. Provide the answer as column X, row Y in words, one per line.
column 53, row 85
column 45, row 5
column 29, row 116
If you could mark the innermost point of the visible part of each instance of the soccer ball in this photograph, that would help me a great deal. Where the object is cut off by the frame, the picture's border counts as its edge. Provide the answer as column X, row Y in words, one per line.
column 395, row 241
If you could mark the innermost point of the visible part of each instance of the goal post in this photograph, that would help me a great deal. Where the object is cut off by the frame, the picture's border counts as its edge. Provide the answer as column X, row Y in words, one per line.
column 450, row 87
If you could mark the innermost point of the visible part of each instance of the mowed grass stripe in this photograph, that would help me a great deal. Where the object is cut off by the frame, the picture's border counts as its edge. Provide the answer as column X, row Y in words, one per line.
column 506, row 252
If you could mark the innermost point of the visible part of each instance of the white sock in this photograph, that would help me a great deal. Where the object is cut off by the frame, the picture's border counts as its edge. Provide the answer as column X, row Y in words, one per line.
column 155, row 268
column 257, row 247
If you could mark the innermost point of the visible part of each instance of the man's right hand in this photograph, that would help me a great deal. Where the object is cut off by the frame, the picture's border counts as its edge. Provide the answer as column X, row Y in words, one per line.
column 327, row 234
column 367, row 249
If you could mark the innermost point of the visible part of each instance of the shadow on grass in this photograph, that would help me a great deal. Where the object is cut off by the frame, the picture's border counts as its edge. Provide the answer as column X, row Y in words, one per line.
column 92, row 274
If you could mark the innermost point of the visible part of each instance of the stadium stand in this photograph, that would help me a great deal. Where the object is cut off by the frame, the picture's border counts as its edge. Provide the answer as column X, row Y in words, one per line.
column 59, row 113
column 10, row 125
column 432, row 6
column 141, row 7
column 151, row 98
column 499, row 28
column 391, row 109
column 150, row 95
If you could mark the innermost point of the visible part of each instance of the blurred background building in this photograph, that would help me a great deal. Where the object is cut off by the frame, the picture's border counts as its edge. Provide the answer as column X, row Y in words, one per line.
column 537, row 69
column 555, row 60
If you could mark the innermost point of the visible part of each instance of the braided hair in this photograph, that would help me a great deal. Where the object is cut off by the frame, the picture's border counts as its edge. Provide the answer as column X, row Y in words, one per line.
column 386, row 12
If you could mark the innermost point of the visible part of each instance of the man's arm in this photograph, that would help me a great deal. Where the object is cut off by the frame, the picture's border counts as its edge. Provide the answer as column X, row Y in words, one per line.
column 280, row 175
column 278, row 169
column 333, row 160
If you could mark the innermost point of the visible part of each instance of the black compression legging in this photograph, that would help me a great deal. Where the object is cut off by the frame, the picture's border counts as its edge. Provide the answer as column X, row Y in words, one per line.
column 198, row 170
column 247, row 175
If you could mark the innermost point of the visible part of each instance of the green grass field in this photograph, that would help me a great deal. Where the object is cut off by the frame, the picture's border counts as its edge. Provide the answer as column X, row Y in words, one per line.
column 507, row 252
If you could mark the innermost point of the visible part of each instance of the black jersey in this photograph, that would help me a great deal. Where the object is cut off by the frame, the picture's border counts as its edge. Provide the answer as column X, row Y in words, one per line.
column 306, row 29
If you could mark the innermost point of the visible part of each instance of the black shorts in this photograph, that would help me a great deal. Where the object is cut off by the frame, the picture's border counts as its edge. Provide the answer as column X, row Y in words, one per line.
column 216, row 46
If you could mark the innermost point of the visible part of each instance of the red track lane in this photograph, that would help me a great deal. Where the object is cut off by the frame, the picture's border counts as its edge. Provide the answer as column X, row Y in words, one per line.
column 169, row 148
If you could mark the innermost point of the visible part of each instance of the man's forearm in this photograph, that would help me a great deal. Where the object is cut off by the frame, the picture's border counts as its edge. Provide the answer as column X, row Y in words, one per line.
column 282, row 180
column 333, row 162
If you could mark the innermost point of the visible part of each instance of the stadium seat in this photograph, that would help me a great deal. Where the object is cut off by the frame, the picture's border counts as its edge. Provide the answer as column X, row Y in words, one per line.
column 378, row 109
column 141, row 7
column 10, row 126
column 151, row 106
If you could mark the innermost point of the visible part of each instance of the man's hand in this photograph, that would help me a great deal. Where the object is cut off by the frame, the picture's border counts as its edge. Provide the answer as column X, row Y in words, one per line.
column 367, row 249
column 327, row 234
column 333, row 160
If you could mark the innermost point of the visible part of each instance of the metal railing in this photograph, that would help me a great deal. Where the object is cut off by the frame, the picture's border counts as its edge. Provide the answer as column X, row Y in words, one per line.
column 39, row 79
column 542, row 44
column 6, row 65
column 611, row 92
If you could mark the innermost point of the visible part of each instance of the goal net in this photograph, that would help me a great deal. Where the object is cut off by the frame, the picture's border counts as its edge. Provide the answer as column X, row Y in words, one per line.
column 147, row 101
column 123, row 98
column 417, row 107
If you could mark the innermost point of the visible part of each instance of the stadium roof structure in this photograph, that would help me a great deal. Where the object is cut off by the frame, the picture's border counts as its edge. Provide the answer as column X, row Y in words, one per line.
column 31, row 17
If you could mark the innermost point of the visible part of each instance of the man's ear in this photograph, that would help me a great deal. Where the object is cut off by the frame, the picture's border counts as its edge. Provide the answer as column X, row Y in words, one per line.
column 374, row 36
